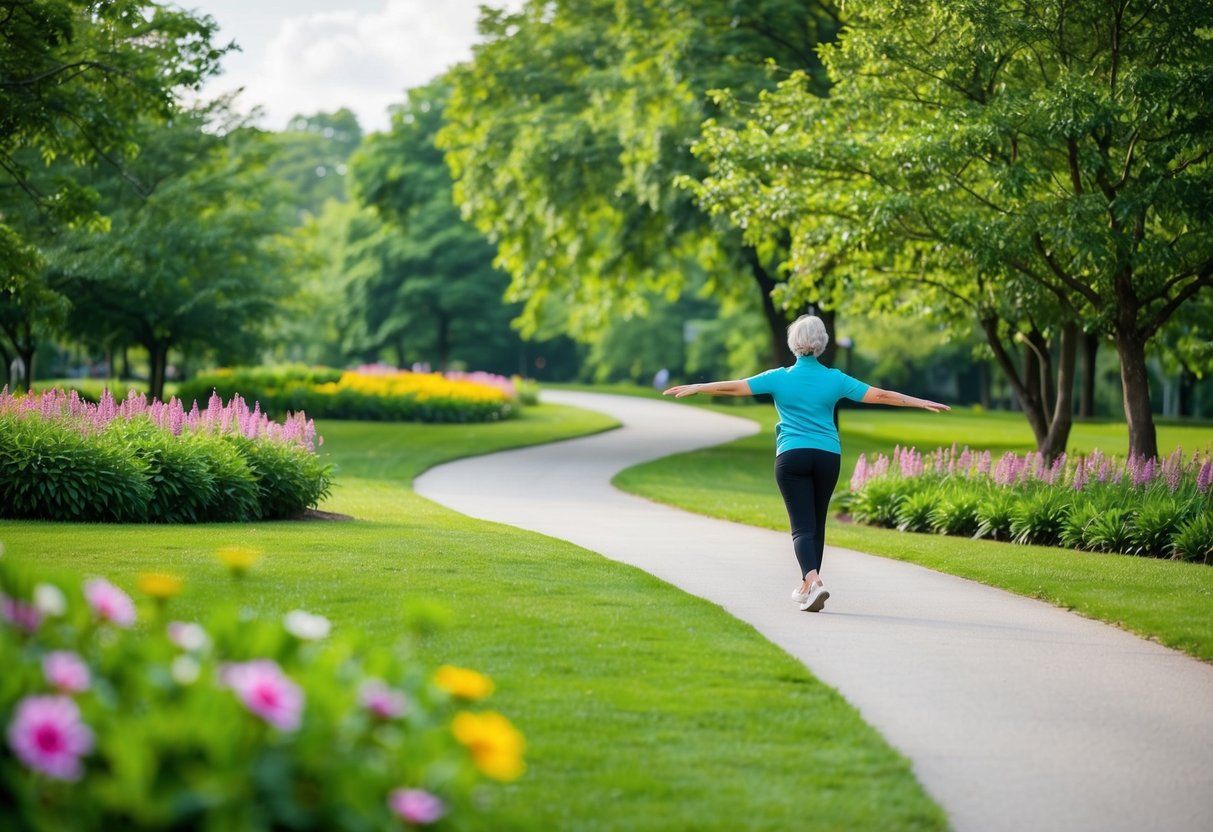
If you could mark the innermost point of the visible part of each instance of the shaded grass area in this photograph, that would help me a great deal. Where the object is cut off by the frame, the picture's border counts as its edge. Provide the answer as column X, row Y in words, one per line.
column 644, row 708
column 1169, row 601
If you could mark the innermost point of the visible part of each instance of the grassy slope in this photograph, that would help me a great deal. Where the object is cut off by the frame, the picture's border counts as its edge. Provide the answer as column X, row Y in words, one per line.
column 1168, row 601
column 644, row 708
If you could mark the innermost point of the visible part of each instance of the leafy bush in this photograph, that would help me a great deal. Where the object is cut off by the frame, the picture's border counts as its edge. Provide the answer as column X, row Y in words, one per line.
column 240, row 723
column 1194, row 539
column 279, row 389
column 955, row 513
column 914, row 512
column 64, row 459
column 49, row 471
column 1096, row 502
column 1039, row 517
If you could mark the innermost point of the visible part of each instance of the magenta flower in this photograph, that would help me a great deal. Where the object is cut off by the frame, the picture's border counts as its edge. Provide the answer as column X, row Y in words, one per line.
column 109, row 603
column 21, row 615
column 382, row 701
column 1205, row 477
column 861, row 472
column 416, row 806
column 66, row 672
column 266, row 691
column 47, row 735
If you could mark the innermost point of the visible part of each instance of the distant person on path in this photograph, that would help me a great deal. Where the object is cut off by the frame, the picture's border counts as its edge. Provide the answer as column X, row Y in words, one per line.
column 808, row 453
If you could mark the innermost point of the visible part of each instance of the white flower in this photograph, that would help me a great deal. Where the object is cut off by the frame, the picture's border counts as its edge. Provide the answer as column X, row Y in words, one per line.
column 185, row 670
column 49, row 600
column 188, row 635
column 304, row 625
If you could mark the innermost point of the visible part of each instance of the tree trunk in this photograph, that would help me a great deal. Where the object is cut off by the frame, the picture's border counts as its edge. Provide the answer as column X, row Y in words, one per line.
column 1052, row 431
column 125, row 365
column 1187, row 386
column 157, row 353
column 26, row 353
column 777, row 321
column 1135, row 384
column 1086, row 400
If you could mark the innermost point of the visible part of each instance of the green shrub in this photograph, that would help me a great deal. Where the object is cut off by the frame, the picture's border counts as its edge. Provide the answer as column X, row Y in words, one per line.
column 290, row 479
column 1074, row 531
column 237, row 497
column 1111, row 530
column 914, row 512
column 183, row 483
column 994, row 514
column 955, row 513
column 878, row 501
column 1156, row 522
column 1193, row 541
column 1039, row 516
column 278, row 389
column 52, row 471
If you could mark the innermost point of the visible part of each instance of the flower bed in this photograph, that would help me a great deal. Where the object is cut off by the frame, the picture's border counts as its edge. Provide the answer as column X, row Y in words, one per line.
column 119, row 719
column 62, row 458
column 1150, row 507
column 372, row 392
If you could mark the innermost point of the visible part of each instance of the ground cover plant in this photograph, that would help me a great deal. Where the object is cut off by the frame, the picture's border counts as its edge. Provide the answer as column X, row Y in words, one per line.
column 1165, row 600
column 1151, row 507
column 371, row 392
column 62, row 458
column 643, row 708
column 123, row 718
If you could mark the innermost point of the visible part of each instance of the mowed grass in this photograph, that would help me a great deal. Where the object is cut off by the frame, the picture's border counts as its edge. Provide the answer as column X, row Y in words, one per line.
column 1168, row 601
column 644, row 708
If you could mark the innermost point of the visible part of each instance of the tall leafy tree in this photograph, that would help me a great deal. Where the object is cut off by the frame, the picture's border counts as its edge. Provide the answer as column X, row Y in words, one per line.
column 75, row 77
column 425, row 278
column 568, row 130
column 195, row 258
column 1046, row 165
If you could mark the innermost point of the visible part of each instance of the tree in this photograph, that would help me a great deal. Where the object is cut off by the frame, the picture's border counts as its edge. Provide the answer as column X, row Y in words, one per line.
column 194, row 259
column 75, row 77
column 1045, row 165
column 426, row 276
column 567, row 131
column 312, row 156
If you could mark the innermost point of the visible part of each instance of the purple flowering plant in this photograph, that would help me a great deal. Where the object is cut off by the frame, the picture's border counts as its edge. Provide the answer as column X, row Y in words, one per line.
column 115, row 714
column 1155, row 507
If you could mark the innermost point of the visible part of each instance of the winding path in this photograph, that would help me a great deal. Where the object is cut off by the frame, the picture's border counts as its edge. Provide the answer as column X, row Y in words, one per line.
column 1015, row 714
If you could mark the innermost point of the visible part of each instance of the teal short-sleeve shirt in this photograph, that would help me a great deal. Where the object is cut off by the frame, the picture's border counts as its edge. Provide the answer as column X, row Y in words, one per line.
column 805, row 395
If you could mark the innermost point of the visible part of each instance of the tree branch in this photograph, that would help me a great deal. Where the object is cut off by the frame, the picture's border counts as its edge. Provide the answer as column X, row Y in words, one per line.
column 1078, row 286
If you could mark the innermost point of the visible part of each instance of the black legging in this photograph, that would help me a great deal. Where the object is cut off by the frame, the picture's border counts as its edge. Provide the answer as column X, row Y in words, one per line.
column 806, row 478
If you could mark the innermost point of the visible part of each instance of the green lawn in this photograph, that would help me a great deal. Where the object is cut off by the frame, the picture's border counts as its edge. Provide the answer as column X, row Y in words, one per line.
column 644, row 708
column 1164, row 600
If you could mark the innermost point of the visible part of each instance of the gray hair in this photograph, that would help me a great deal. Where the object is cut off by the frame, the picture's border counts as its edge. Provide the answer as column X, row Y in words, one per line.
column 807, row 336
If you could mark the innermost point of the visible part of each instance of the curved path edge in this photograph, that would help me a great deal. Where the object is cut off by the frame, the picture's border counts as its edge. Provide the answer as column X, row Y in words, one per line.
column 1015, row 714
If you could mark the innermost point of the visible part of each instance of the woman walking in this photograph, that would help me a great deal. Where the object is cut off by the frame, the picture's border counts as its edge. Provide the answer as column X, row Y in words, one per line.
column 808, row 452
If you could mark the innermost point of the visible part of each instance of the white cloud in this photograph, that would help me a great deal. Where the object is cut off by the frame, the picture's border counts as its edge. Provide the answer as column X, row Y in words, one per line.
column 363, row 60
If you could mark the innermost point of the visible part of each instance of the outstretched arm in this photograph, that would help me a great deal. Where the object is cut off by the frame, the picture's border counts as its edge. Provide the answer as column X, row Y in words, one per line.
column 711, row 388
column 890, row 397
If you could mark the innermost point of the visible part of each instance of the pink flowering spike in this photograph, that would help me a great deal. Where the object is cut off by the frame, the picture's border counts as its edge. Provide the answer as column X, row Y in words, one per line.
column 266, row 691
column 23, row 616
column 861, row 472
column 48, row 736
column 382, row 701
column 109, row 603
column 66, row 672
column 416, row 806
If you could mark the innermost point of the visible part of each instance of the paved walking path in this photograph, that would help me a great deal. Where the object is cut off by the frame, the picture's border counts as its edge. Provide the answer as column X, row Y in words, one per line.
column 1016, row 715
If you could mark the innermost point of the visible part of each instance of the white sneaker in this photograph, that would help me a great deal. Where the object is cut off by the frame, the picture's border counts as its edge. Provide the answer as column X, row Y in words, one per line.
column 816, row 600
column 801, row 597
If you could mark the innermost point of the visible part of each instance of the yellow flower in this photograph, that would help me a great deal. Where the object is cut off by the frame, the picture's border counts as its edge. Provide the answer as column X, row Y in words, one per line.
column 464, row 683
column 496, row 745
column 238, row 558
column 159, row 585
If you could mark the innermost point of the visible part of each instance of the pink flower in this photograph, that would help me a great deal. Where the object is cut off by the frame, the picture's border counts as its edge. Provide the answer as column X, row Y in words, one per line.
column 266, row 691
column 21, row 615
column 66, row 671
column 47, row 735
column 1205, row 476
column 109, row 603
column 861, row 472
column 416, row 806
column 188, row 635
column 382, row 701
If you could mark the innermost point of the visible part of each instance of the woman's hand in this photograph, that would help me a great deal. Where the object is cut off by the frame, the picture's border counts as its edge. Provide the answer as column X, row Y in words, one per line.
column 681, row 391
column 934, row 407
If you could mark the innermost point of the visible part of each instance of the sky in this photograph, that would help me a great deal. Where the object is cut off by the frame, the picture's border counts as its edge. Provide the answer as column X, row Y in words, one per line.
column 309, row 56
